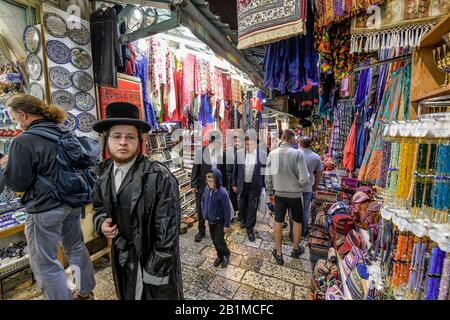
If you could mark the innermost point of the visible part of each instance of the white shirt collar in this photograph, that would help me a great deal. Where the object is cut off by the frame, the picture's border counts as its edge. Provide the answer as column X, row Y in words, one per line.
column 124, row 167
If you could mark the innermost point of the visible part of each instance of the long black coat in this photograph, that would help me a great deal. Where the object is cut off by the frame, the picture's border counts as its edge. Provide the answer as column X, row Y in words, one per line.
column 155, row 220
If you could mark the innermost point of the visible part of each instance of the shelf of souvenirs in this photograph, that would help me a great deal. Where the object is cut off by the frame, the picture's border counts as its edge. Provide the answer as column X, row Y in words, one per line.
column 12, row 220
column 13, row 258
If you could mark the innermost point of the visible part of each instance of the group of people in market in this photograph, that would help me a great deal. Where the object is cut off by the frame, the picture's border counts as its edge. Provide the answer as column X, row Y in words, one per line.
column 136, row 200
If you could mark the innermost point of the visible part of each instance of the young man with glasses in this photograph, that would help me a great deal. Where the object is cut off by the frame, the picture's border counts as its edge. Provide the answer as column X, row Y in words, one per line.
column 137, row 205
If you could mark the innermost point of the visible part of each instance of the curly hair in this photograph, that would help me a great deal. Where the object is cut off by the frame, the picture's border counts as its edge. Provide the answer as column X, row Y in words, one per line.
column 35, row 106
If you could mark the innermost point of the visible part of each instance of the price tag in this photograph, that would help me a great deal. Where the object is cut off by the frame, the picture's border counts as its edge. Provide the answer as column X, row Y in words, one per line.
column 441, row 130
column 403, row 130
column 386, row 214
column 393, row 130
column 418, row 229
column 386, row 131
column 420, row 130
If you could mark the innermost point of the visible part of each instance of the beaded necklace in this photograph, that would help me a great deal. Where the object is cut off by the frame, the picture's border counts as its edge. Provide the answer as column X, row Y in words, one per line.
column 392, row 177
column 441, row 185
column 406, row 163
column 434, row 273
column 416, row 270
column 445, row 280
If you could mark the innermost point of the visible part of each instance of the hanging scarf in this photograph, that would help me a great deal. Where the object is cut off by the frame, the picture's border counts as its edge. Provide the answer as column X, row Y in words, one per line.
column 189, row 88
column 141, row 69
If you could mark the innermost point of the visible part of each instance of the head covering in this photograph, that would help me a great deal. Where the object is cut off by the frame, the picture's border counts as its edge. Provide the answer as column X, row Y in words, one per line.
column 121, row 113
column 217, row 177
column 360, row 197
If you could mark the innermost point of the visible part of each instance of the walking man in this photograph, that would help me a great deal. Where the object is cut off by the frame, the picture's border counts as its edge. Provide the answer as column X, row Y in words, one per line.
column 315, row 170
column 286, row 177
column 248, row 182
column 31, row 162
column 205, row 160
column 137, row 205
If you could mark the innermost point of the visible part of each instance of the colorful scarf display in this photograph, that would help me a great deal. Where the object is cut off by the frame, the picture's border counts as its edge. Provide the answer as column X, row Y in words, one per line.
column 330, row 11
column 402, row 24
column 343, row 115
column 261, row 21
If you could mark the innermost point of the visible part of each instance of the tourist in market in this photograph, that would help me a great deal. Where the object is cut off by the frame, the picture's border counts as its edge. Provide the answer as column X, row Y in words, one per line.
column 206, row 158
column 136, row 204
column 31, row 161
column 286, row 177
column 216, row 209
column 248, row 181
column 315, row 169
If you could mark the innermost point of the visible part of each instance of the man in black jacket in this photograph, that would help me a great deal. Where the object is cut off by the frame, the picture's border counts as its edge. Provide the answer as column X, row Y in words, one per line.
column 136, row 204
column 49, row 221
column 205, row 159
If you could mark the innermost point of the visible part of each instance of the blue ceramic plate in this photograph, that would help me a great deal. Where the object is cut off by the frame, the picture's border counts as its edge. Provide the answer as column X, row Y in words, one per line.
column 84, row 101
column 34, row 66
column 36, row 90
column 71, row 122
column 85, row 121
column 80, row 58
column 55, row 25
column 79, row 34
column 31, row 39
column 82, row 81
column 63, row 98
column 57, row 51
column 60, row 77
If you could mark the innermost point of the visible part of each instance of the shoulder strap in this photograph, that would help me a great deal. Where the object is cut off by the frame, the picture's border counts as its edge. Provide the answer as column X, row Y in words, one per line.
column 45, row 133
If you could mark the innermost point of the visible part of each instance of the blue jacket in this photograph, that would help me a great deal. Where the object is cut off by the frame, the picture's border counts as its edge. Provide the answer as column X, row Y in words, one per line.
column 216, row 203
column 239, row 172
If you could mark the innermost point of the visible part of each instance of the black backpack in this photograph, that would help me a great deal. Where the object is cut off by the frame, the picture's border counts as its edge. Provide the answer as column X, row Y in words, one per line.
column 75, row 155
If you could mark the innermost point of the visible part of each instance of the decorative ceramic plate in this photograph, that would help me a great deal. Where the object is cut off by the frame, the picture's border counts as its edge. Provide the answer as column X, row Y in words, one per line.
column 34, row 66
column 80, row 58
column 85, row 121
column 31, row 39
column 84, row 101
column 36, row 90
column 6, row 147
column 55, row 25
column 82, row 81
column 58, row 52
column 79, row 34
column 71, row 122
column 64, row 99
column 60, row 77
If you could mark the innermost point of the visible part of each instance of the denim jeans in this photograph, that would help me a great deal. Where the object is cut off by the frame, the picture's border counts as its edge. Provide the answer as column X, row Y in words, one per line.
column 43, row 232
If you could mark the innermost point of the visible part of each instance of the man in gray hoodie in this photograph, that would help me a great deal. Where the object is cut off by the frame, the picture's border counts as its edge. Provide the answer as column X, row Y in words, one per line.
column 286, row 177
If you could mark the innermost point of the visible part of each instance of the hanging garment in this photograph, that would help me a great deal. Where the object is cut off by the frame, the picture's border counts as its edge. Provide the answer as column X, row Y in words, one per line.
column 205, row 114
column 349, row 149
column 342, row 123
column 236, row 91
column 189, row 88
column 106, row 50
column 158, row 56
column 141, row 70
column 227, row 91
column 204, row 76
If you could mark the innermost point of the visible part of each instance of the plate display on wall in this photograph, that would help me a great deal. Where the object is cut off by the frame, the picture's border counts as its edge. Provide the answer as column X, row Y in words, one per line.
column 85, row 121
column 63, row 99
column 31, row 39
column 79, row 34
column 34, row 66
column 71, row 122
column 60, row 77
column 80, row 58
column 36, row 90
column 6, row 147
column 55, row 25
column 57, row 51
column 84, row 101
column 82, row 80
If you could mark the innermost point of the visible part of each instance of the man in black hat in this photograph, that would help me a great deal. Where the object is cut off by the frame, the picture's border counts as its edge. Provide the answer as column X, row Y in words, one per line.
column 137, row 205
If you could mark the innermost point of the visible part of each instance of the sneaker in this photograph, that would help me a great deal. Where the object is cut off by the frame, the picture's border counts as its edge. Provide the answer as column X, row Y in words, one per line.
column 297, row 253
column 278, row 258
column 217, row 262
column 78, row 296
column 225, row 261
column 199, row 236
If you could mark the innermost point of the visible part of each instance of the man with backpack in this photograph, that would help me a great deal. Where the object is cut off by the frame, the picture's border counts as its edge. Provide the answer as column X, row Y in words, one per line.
column 32, row 167
column 137, row 206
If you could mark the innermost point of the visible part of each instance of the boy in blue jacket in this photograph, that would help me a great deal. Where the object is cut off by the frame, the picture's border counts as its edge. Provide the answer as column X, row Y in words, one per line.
column 216, row 209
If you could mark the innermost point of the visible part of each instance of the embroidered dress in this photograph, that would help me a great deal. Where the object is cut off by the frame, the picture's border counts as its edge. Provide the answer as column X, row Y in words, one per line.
column 190, row 77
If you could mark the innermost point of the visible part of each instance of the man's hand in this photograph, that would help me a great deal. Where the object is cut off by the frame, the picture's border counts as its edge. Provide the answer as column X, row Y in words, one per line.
column 110, row 231
column 3, row 161
column 235, row 189
column 226, row 230
column 272, row 199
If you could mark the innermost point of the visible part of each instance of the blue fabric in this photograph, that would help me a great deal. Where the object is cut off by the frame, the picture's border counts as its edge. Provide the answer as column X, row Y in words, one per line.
column 205, row 114
column 216, row 205
column 141, row 67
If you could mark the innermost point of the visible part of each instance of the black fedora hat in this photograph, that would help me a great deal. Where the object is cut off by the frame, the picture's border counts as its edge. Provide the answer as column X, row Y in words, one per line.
column 121, row 113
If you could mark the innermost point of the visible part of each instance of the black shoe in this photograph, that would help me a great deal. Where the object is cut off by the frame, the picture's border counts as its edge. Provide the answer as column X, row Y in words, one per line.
column 243, row 226
column 199, row 236
column 225, row 261
column 285, row 225
column 217, row 262
column 297, row 253
column 251, row 236
column 278, row 258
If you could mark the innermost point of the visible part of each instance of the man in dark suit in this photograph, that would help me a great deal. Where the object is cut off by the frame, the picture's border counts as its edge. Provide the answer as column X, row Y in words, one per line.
column 248, row 181
column 206, row 158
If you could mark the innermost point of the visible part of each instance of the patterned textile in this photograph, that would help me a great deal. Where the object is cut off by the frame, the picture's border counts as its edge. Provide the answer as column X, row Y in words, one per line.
column 236, row 91
column 343, row 115
column 158, row 56
column 330, row 11
column 218, row 84
column 266, row 21
column 204, row 76
column 226, row 82
column 141, row 69
column 393, row 100
column 402, row 24
column 189, row 88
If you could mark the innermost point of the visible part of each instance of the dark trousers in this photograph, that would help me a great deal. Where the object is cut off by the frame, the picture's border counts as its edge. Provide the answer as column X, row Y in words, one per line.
column 201, row 220
column 218, row 238
column 248, row 205
column 234, row 199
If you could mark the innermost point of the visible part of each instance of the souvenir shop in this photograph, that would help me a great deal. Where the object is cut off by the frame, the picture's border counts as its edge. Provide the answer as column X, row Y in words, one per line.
column 81, row 61
column 368, row 82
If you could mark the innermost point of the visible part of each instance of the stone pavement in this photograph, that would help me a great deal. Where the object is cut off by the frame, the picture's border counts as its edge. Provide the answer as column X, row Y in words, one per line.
column 251, row 275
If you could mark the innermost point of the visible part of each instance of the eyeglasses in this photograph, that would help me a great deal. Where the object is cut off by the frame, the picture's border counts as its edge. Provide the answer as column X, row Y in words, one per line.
column 116, row 137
